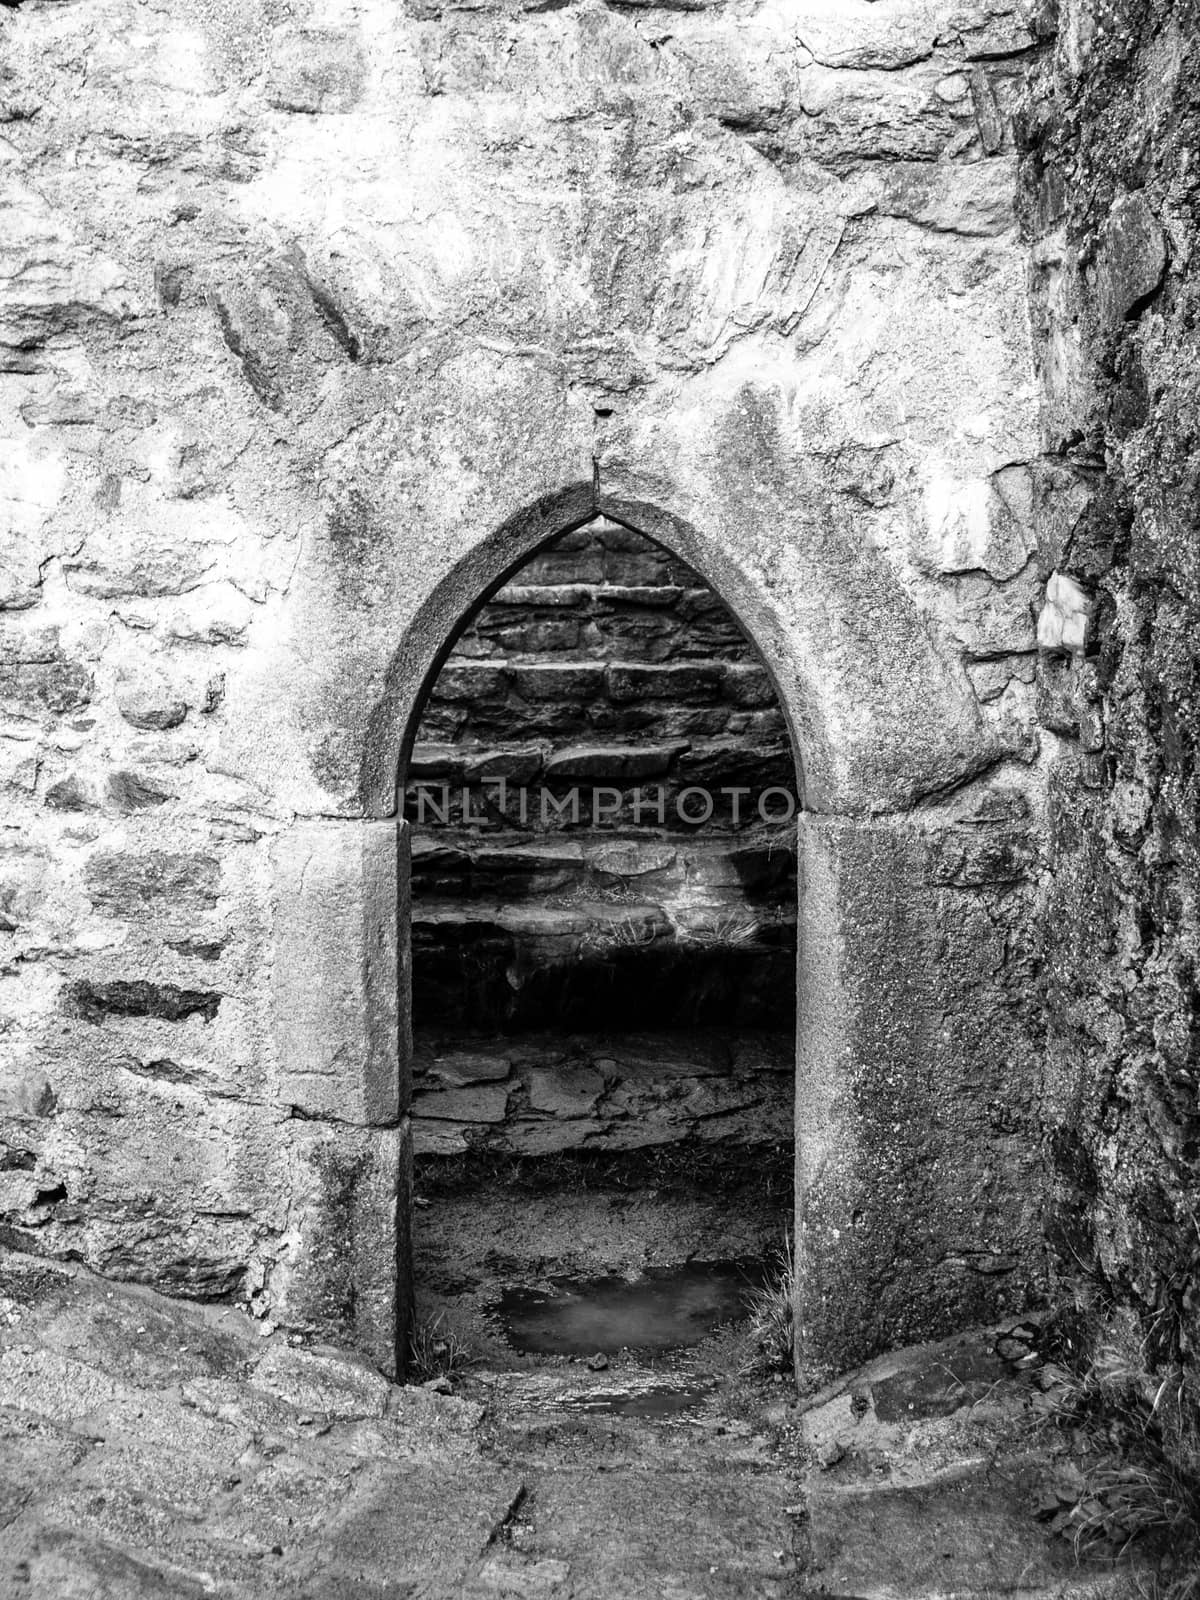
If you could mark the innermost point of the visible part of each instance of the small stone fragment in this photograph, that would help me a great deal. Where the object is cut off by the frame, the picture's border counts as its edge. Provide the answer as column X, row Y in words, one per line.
column 1065, row 617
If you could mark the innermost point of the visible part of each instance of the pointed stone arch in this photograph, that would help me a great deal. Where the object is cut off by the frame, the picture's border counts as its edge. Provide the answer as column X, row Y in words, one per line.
column 911, row 1212
column 489, row 566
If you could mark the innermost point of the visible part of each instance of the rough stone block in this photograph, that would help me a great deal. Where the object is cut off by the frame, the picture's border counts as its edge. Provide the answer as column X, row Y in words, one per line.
column 26, row 1093
column 612, row 763
column 347, row 1277
column 128, row 883
column 472, row 681
column 558, row 858
column 320, row 1381
column 35, row 689
column 136, row 997
column 150, row 700
column 572, row 596
column 483, row 1103
column 565, row 1091
column 437, row 1138
column 129, row 792
column 25, row 645
column 460, row 1068
column 748, row 686
column 315, row 70
column 546, row 1137
column 440, row 762
column 521, row 765
column 631, row 858
column 904, row 1051
column 554, row 568
column 551, row 681
column 340, row 1018
column 23, row 874
column 1132, row 257
column 680, row 683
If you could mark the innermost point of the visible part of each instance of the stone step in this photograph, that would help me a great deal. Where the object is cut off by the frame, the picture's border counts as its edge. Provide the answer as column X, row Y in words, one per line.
column 537, row 1094
column 758, row 757
column 603, row 924
column 477, row 680
column 655, row 623
column 459, row 862
column 572, row 716
column 969, row 1535
column 908, row 1496
column 458, row 1058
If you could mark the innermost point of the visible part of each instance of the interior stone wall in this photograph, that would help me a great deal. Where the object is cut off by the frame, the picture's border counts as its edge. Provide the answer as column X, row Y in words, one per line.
column 314, row 323
column 1110, row 195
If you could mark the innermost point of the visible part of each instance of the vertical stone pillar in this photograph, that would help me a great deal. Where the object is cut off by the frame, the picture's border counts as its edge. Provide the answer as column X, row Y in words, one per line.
column 916, row 1089
column 340, row 1002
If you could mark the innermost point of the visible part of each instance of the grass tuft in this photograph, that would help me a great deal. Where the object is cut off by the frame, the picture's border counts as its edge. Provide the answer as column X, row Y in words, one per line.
column 435, row 1351
column 1138, row 1423
column 729, row 931
column 769, row 1334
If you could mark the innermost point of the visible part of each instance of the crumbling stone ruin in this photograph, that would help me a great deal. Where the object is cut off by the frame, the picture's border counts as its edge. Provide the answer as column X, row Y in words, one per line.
column 597, row 394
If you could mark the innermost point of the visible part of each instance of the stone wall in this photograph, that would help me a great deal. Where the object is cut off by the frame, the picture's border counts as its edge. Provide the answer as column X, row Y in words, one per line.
column 1110, row 196
column 313, row 326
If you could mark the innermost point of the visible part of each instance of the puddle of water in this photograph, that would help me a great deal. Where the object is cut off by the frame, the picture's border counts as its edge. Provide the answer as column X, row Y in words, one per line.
column 660, row 1402
column 666, row 1308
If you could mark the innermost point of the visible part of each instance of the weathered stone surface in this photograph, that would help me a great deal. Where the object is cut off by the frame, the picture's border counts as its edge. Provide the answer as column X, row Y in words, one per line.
column 1107, row 132
column 315, row 70
column 135, row 997
column 345, row 1276
column 312, row 330
column 127, row 883
column 39, row 689
column 459, row 1068
column 325, row 1382
column 148, row 700
column 340, row 1018
column 485, row 1103
column 607, row 1094
column 1132, row 257
column 616, row 763
column 686, row 684
column 632, row 859
column 565, row 1091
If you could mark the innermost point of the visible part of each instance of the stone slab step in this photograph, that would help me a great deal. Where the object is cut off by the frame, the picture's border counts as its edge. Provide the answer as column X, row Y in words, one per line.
column 609, row 760
column 450, row 863
column 971, row 1536
column 673, row 1535
column 595, row 926
column 458, row 1059
column 541, row 1093
column 638, row 923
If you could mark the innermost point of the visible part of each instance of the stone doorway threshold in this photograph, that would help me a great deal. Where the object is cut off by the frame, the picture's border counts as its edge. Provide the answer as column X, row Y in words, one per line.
column 156, row 1449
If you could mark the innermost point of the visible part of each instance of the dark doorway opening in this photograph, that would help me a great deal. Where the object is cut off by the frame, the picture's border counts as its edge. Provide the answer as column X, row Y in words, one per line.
column 602, row 798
